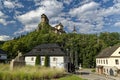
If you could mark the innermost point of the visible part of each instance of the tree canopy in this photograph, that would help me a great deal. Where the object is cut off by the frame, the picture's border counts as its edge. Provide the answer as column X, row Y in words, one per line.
column 87, row 46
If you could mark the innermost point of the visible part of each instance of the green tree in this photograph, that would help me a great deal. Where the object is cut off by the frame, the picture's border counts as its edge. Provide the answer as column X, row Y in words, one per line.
column 38, row 60
column 47, row 61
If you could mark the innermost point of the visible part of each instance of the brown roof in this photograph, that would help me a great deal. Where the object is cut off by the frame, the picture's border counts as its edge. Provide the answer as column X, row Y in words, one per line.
column 107, row 52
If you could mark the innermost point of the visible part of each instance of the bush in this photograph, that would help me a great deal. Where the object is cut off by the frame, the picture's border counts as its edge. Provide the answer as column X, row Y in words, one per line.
column 38, row 60
column 47, row 61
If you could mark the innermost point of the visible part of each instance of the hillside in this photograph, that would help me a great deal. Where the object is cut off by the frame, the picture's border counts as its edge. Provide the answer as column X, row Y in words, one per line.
column 87, row 46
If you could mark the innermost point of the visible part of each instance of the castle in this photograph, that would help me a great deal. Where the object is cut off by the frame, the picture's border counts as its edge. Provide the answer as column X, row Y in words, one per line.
column 45, row 21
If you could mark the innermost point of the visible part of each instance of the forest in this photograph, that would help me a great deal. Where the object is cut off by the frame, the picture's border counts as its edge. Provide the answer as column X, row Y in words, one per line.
column 87, row 46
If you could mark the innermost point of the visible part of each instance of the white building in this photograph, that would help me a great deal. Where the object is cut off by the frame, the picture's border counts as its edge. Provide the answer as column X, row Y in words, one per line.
column 108, row 61
column 3, row 55
column 57, row 58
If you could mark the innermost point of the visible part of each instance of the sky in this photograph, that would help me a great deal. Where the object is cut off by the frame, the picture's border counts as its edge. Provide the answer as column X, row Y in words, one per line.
column 19, row 17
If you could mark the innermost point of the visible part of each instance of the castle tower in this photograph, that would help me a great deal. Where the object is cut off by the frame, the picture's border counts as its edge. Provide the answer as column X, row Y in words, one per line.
column 74, row 30
column 44, row 19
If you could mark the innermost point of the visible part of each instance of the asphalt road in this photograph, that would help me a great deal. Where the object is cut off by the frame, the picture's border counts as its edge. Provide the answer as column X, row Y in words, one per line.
column 87, row 74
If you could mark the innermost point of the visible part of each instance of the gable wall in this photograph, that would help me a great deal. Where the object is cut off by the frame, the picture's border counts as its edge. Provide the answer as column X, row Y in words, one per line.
column 116, row 53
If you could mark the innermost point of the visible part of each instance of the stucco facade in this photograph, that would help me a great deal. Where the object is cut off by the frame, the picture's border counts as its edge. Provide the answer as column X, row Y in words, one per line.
column 109, row 65
column 55, row 61
column 57, row 57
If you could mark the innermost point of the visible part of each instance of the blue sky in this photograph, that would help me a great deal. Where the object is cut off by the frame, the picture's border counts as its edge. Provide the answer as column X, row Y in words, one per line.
column 88, row 16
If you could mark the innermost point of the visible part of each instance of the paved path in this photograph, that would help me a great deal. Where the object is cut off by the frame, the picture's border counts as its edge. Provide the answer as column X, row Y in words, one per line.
column 87, row 74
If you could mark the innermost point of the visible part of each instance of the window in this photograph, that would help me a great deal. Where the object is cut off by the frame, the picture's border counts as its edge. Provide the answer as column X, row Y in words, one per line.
column 101, row 61
column 116, row 62
column 54, row 59
column 96, row 61
column 106, row 61
column 32, row 59
column 119, row 52
column 42, row 59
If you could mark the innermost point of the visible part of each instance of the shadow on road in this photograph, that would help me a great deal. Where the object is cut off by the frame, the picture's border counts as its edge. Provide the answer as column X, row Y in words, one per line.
column 82, row 73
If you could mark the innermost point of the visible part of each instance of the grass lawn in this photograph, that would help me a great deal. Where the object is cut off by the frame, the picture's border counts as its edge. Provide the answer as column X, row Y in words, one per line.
column 71, row 77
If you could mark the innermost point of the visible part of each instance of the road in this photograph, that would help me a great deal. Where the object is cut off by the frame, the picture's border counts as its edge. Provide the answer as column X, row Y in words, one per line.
column 87, row 74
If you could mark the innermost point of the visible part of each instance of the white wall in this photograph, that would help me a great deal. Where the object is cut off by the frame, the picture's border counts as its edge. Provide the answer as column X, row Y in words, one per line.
column 42, row 61
column 111, row 64
column 58, row 63
column 30, row 60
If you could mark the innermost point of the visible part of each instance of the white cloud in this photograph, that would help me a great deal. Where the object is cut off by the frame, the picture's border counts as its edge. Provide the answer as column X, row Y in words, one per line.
column 8, row 4
column 11, row 4
column 66, row 1
column 117, row 24
column 87, row 17
column 3, row 18
column 94, row 16
column 31, row 19
column 84, row 8
column 4, row 38
column 1, row 14
column 2, row 21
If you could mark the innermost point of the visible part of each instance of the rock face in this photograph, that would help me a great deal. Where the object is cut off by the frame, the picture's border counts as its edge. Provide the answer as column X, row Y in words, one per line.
column 44, row 25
